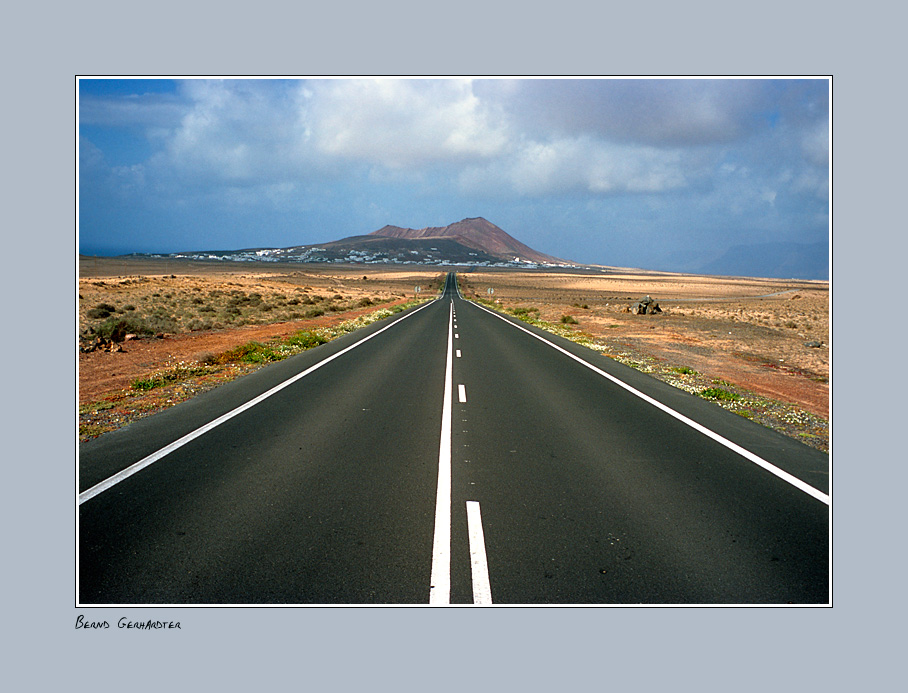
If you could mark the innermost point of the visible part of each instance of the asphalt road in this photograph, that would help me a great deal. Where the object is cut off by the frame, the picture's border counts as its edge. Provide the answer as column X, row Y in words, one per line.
column 451, row 455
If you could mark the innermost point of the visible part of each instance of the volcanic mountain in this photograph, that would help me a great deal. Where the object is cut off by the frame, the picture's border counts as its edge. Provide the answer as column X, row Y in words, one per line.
column 471, row 241
column 476, row 233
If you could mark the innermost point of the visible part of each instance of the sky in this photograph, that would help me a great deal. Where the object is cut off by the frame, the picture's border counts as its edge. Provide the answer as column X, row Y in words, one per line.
column 668, row 174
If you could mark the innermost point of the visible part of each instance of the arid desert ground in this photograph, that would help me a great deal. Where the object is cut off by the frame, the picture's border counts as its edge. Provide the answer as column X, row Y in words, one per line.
column 757, row 346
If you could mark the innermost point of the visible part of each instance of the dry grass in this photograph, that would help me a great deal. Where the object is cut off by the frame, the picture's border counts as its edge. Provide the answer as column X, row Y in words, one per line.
column 751, row 334
column 213, row 322
column 173, row 298
column 757, row 319
column 747, row 333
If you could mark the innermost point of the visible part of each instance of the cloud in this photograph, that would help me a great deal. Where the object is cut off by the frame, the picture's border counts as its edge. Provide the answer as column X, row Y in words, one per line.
column 517, row 137
column 577, row 165
column 664, row 113
column 91, row 158
column 151, row 111
column 235, row 132
column 404, row 123
column 656, row 112
column 119, row 180
column 815, row 143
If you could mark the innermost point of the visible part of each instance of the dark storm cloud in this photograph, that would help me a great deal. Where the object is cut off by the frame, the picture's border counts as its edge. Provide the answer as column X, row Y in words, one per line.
column 658, row 112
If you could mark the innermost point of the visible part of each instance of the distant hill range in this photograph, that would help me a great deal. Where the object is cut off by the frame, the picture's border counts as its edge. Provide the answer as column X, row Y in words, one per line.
column 778, row 260
column 478, row 242
column 467, row 242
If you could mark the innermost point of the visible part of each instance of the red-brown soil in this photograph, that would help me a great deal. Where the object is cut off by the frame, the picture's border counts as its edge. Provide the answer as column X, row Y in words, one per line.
column 751, row 333
column 103, row 372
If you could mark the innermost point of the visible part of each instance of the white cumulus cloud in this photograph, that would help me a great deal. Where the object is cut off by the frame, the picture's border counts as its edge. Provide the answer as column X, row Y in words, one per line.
column 578, row 165
column 404, row 123
column 237, row 131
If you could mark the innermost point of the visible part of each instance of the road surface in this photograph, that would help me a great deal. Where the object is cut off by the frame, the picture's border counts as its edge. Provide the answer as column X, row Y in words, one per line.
column 450, row 455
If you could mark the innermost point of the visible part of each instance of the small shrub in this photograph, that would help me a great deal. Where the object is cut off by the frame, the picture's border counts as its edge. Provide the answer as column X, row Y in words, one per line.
column 251, row 352
column 306, row 340
column 116, row 329
column 569, row 320
column 171, row 375
column 101, row 311
column 720, row 394
column 206, row 357
column 146, row 383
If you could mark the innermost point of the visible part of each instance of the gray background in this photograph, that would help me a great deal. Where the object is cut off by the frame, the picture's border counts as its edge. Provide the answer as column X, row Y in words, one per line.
column 419, row 648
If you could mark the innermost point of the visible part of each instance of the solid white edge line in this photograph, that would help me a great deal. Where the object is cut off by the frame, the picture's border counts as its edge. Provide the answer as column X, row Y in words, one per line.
column 479, row 565
column 747, row 454
column 440, row 581
column 180, row 442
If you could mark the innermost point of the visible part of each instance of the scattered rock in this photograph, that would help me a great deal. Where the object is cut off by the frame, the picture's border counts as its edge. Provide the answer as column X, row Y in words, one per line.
column 813, row 344
column 646, row 306
column 101, row 344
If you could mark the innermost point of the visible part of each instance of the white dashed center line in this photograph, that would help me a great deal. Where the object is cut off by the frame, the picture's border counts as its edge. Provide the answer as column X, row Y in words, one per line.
column 462, row 393
column 482, row 590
